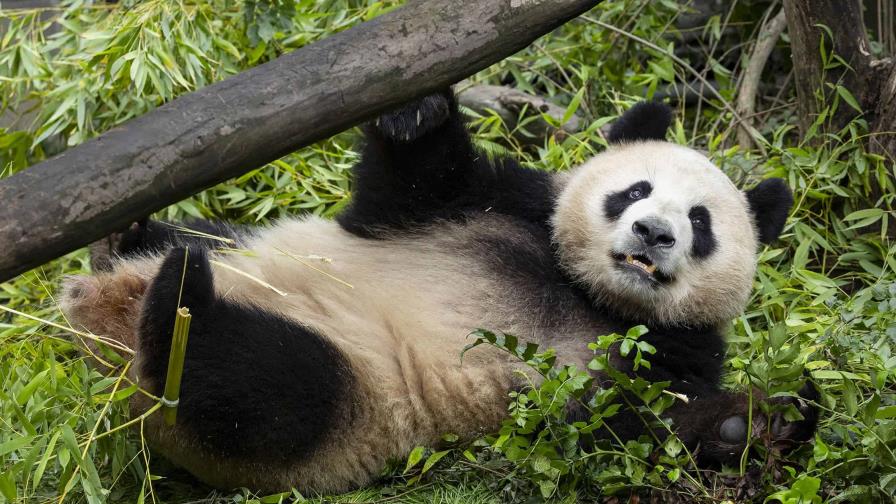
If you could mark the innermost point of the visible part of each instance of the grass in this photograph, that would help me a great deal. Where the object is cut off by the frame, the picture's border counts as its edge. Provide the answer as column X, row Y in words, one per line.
column 824, row 301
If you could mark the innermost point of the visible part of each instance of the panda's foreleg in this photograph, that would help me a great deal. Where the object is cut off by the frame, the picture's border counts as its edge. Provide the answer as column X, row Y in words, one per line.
column 416, row 160
column 419, row 165
column 714, row 424
column 260, row 395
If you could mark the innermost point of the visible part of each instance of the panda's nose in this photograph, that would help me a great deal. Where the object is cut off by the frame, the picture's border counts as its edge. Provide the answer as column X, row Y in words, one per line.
column 654, row 232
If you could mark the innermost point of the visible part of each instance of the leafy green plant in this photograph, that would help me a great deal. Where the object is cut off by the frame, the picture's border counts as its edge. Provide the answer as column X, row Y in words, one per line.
column 557, row 455
column 825, row 296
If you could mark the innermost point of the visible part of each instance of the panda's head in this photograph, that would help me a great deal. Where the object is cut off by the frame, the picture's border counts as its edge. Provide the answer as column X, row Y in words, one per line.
column 658, row 233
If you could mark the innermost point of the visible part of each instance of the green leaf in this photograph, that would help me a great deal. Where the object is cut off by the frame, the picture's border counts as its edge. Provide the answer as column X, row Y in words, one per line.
column 573, row 106
column 849, row 98
column 432, row 459
column 15, row 444
column 8, row 486
column 414, row 458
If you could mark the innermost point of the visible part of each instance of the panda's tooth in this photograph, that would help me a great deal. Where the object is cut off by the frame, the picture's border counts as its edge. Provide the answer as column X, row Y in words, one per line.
column 651, row 269
column 629, row 259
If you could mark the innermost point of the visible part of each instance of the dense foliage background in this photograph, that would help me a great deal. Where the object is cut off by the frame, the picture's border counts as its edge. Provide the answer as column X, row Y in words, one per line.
column 824, row 303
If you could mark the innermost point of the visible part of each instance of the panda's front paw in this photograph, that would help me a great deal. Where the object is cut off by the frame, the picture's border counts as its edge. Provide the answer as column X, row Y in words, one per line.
column 416, row 119
column 724, row 441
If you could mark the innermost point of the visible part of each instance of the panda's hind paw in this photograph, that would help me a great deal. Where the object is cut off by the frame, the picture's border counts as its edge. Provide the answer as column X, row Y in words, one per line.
column 415, row 119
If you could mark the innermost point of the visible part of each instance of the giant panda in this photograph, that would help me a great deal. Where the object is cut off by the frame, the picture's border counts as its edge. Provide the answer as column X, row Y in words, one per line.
column 321, row 349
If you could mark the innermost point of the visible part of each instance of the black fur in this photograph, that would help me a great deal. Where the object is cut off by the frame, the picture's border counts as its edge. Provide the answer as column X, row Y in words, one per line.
column 691, row 360
column 415, row 119
column 617, row 202
column 255, row 384
column 644, row 121
column 260, row 386
column 704, row 243
column 770, row 202
column 148, row 236
column 403, row 185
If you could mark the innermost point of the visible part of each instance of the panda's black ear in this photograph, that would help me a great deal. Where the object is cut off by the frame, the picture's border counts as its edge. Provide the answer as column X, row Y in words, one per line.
column 770, row 202
column 644, row 121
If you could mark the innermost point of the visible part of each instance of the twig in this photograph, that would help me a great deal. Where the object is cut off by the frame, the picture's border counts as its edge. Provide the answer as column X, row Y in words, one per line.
column 247, row 275
column 749, row 86
column 98, row 339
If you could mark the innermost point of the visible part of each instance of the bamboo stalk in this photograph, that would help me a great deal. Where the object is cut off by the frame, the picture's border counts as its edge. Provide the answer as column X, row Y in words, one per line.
column 171, row 397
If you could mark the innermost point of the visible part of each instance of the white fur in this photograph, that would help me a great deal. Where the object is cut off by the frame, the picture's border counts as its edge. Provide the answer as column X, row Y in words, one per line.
column 705, row 291
column 412, row 299
column 402, row 323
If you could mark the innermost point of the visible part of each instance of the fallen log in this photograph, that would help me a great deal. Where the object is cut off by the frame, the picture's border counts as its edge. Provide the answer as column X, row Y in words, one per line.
column 233, row 126
column 510, row 104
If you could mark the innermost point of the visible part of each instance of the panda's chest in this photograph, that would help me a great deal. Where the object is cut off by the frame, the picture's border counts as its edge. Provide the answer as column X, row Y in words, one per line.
column 433, row 287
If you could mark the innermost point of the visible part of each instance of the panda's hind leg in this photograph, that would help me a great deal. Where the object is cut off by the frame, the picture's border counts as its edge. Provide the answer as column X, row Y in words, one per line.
column 260, row 392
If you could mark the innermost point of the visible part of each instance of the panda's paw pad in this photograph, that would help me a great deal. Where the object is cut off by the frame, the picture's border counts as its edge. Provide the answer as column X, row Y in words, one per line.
column 773, row 427
column 415, row 119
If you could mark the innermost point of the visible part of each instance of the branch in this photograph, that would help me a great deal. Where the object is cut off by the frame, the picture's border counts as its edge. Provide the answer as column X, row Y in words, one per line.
column 230, row 127
column 746, row 96
column 509, row 103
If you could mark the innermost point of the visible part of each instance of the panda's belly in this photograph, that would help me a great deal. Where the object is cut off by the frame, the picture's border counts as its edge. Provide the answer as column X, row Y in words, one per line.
column 401, row 310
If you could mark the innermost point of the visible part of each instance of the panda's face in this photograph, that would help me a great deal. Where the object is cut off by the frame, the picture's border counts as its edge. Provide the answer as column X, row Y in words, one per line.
column 658, row 233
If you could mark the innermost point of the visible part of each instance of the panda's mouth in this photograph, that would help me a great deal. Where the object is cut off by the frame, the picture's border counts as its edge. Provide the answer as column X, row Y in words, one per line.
column 642, row 265
column 642, row 262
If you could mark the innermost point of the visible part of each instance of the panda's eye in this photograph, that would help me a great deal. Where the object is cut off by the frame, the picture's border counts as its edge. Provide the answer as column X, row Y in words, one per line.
column 617, row 202
column 704, row 241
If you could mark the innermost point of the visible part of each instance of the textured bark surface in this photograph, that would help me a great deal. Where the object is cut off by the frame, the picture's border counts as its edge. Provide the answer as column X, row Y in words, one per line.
column 883, row 138
column 233, row 126
column 509, row 103
column 844, row 19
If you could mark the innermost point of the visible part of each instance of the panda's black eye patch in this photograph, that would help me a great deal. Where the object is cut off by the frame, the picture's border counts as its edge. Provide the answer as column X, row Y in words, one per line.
column 704, row 241
column 617, row 202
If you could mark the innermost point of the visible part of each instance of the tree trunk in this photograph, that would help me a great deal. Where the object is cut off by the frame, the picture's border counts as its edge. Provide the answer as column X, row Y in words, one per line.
column 844, row 19
column 872, row 82
column 230, row 127
column 883, row 127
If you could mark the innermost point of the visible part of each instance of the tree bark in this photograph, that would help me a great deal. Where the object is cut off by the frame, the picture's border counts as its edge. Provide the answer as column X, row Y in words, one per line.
column 844, row 19
column 230, row 127
column 883, row 127
column 872, row 82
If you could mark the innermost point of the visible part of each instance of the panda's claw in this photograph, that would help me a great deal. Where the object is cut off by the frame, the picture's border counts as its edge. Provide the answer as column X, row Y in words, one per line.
column 415, row 119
